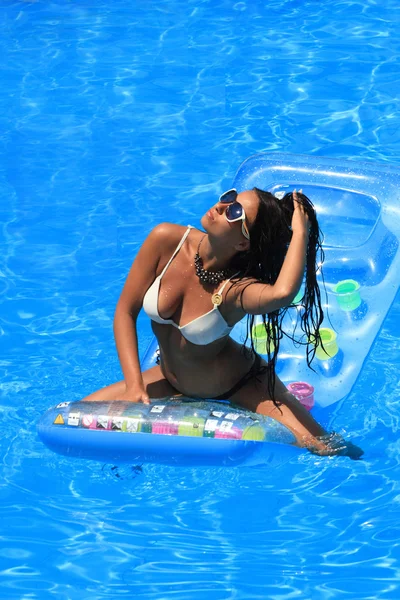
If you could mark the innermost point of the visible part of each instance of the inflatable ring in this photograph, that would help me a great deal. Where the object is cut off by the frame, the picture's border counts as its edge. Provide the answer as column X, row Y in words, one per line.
column 174, row 431
column 357, row 207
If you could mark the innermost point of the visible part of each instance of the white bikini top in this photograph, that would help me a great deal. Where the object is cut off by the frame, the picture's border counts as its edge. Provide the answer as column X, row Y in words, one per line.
column 201, row 331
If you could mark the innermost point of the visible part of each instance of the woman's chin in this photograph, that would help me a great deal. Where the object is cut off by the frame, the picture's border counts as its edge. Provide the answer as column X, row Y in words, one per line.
column 204, row 222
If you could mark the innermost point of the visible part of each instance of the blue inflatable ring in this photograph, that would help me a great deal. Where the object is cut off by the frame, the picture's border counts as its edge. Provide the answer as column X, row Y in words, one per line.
column 170, row 431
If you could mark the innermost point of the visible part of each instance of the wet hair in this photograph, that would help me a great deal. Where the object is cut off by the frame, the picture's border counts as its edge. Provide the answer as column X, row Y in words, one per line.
column 270, row 236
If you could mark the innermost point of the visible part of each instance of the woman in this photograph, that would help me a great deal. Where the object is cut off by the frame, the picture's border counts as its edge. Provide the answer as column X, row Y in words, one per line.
column 195, row 286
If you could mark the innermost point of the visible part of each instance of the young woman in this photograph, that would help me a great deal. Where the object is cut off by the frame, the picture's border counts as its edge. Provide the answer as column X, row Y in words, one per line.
column 195, row 286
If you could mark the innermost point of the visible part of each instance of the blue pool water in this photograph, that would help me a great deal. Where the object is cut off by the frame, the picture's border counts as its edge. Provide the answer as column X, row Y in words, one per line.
column 116, row 116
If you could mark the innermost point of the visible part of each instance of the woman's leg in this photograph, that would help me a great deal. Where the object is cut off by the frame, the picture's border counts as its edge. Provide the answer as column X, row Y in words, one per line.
column 290, row 412
column 154, row 381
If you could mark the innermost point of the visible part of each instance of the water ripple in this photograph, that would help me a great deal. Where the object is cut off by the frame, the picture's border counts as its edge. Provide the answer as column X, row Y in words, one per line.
column 116, row 117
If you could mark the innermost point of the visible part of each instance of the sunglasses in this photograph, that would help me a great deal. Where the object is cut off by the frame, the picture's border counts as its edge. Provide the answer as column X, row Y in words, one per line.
column 235, row 211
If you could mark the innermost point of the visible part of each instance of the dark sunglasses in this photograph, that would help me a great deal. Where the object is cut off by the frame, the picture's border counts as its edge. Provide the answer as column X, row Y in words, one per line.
column 235, row 211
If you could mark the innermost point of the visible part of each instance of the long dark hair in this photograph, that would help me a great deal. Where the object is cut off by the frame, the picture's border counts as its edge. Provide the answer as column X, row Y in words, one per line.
column 270, row 237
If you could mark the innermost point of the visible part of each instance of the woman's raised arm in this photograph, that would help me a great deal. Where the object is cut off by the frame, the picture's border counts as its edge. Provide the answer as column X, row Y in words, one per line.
column 260, row 298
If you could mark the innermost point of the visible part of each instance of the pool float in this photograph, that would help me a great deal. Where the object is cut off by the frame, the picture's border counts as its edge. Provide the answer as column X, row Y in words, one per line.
column 357, row 206
column 358, row 210
column 174, row 431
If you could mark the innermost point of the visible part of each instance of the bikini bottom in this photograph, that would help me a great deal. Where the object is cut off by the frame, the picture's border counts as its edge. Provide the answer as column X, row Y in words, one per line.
column 255, row 370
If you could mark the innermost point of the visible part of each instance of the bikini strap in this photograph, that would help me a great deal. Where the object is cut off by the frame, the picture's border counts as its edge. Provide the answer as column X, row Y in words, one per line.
column 179, row 246
column 217, row 297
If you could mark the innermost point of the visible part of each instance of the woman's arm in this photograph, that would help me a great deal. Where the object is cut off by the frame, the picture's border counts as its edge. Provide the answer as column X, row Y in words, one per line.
column 140, row 277
column 260, row 298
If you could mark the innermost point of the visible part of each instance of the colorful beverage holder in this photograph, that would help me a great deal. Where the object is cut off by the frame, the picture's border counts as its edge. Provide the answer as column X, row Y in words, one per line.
column 304, row 392
column 347, row 294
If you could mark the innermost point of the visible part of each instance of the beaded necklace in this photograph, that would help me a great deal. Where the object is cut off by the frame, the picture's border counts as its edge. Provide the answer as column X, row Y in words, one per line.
column 205, row 276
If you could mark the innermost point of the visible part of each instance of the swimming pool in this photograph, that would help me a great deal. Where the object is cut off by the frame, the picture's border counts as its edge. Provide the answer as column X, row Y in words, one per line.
column 111, row 113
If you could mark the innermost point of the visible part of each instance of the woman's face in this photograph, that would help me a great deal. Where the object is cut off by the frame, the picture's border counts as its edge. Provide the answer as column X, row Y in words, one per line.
column 215, row 223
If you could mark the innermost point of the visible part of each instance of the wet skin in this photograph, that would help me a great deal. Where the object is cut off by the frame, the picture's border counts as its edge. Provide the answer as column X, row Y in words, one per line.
column 207, row 371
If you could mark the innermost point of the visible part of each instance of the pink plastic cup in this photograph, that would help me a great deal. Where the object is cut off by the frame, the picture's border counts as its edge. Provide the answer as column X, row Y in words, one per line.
column 304, row 392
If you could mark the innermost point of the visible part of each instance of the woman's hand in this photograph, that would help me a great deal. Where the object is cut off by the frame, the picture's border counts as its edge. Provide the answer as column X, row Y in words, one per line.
column 137, row 394
column 300, row 221
column 335, row 445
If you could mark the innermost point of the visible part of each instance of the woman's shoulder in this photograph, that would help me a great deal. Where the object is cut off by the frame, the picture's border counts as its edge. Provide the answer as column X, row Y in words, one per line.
column 164, row 231
column 240, row 282
column 168, row 234
column 235, row 292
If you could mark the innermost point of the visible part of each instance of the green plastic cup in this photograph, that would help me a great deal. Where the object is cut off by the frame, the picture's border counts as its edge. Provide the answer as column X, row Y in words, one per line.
column 348, row 294
column 259, row 336
column 330, row 349
column 298, row 296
